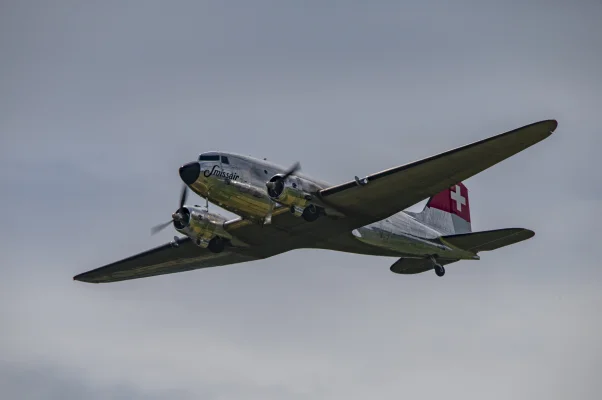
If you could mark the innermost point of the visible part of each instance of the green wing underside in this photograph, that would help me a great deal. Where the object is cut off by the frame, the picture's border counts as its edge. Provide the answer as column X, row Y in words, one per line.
column 396, row 189
column 161, row 260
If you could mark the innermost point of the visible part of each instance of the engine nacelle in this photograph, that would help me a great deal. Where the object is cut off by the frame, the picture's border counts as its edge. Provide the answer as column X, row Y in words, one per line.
column 295, row 193
column 204, row 228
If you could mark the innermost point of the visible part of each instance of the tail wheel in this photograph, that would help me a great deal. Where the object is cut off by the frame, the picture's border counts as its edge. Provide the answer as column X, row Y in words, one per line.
column 439, row 270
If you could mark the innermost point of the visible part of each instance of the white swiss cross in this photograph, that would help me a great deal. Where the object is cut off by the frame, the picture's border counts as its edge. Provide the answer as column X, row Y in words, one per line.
column 458, row 198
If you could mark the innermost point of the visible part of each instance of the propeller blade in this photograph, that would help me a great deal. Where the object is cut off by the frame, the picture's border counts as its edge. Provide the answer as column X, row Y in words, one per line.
column 175, row 216
column 160, row 227
column 291, row 170
column 183, row 196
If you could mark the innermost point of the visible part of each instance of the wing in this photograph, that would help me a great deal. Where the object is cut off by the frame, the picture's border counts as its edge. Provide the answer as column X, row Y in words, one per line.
column 161, row 260
column 388, row 192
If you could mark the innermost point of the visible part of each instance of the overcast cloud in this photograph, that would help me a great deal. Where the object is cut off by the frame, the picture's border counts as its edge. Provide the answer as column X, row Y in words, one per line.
column 103, row 101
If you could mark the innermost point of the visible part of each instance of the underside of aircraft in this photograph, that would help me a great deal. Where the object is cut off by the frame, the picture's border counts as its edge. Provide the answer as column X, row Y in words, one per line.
column 281, row 210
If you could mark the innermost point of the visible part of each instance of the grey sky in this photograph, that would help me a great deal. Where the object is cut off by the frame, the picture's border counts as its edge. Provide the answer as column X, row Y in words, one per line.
column 101, row 102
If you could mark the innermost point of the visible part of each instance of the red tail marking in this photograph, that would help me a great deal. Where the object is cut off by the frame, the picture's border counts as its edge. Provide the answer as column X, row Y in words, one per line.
column 453, row 200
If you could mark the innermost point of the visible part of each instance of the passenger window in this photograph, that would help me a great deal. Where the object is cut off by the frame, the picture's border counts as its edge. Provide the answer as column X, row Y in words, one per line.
column 225, row 160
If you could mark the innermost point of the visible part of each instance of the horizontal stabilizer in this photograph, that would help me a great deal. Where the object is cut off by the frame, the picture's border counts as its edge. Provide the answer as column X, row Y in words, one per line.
column 409, row 266
column 488, row 240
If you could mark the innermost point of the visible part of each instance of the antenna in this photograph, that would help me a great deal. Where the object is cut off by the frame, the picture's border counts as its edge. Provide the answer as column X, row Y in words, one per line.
column 207, row 202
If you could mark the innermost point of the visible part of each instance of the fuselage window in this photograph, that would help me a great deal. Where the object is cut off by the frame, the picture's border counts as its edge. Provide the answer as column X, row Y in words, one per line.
column 225, row 160
column 208, row 158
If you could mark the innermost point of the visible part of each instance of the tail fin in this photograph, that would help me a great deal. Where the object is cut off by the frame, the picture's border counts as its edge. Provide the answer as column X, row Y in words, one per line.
column 448, row 211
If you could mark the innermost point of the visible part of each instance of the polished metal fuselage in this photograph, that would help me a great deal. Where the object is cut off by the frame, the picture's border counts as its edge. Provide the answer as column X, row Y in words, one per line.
column 239, row 187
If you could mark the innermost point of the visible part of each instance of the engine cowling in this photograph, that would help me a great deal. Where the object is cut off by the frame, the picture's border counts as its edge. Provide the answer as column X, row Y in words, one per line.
column 295, row 193
column 204, row 228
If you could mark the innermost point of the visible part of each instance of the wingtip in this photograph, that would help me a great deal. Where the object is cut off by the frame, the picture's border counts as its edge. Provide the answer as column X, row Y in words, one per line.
column 553, row 124
column 541, row 129
column 529, row 233
column 524, row 232
column 81, row 278
column 547, row 125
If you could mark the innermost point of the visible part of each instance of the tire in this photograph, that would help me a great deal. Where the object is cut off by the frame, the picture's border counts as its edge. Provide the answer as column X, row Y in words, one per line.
column 217, row 244
column 311, row 213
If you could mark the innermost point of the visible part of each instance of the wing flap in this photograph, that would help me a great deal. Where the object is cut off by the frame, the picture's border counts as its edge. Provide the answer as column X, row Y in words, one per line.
column 488, row 240
column 393, row 190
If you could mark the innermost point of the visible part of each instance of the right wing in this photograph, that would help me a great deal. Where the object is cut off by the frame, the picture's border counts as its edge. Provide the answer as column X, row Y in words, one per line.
column 166, row 259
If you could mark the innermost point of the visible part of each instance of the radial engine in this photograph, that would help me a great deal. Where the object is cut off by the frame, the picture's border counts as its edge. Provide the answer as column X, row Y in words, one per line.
column 205, row 229
column 296, row 193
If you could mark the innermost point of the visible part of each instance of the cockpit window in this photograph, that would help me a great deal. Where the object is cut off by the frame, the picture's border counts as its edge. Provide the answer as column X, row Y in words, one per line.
column 206, row 157
column 225, row 160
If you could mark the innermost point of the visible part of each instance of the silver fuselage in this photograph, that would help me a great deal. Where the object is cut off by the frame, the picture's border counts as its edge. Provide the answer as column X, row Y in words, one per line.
column 237, row 183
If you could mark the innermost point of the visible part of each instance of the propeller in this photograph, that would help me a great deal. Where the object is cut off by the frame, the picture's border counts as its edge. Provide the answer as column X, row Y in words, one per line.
column 177, row 216
column 279, row 179
column 160, row 227
column 275, row 185
column 183, row 196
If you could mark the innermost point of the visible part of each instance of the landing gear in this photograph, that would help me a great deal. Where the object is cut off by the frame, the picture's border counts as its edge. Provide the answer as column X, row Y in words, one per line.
column 311, row 213
column 217, row 245
column 439, row 270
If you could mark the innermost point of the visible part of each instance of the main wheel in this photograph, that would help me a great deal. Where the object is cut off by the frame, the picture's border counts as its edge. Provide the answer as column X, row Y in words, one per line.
column 217, row 244
column 439, row 270
column 311, row 213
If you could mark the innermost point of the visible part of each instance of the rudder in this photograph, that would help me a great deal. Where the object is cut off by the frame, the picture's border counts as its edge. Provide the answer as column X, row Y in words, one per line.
column 448, row 211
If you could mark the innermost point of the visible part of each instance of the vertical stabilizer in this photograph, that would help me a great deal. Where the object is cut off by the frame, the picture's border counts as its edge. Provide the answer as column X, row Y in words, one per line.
column 448, row 211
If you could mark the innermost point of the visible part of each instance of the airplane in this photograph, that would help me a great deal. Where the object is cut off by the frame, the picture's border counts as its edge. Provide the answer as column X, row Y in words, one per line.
column 281, row 209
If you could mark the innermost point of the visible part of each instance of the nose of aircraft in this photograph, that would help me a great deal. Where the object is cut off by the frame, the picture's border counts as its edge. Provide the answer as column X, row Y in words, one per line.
column 190, row 172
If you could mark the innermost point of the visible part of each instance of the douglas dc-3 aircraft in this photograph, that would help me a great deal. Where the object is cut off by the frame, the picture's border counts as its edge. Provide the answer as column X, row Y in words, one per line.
column 281, row 210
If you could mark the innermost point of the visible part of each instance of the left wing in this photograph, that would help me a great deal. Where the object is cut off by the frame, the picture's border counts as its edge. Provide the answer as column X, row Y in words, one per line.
column 166, row 259
column 385, row 193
